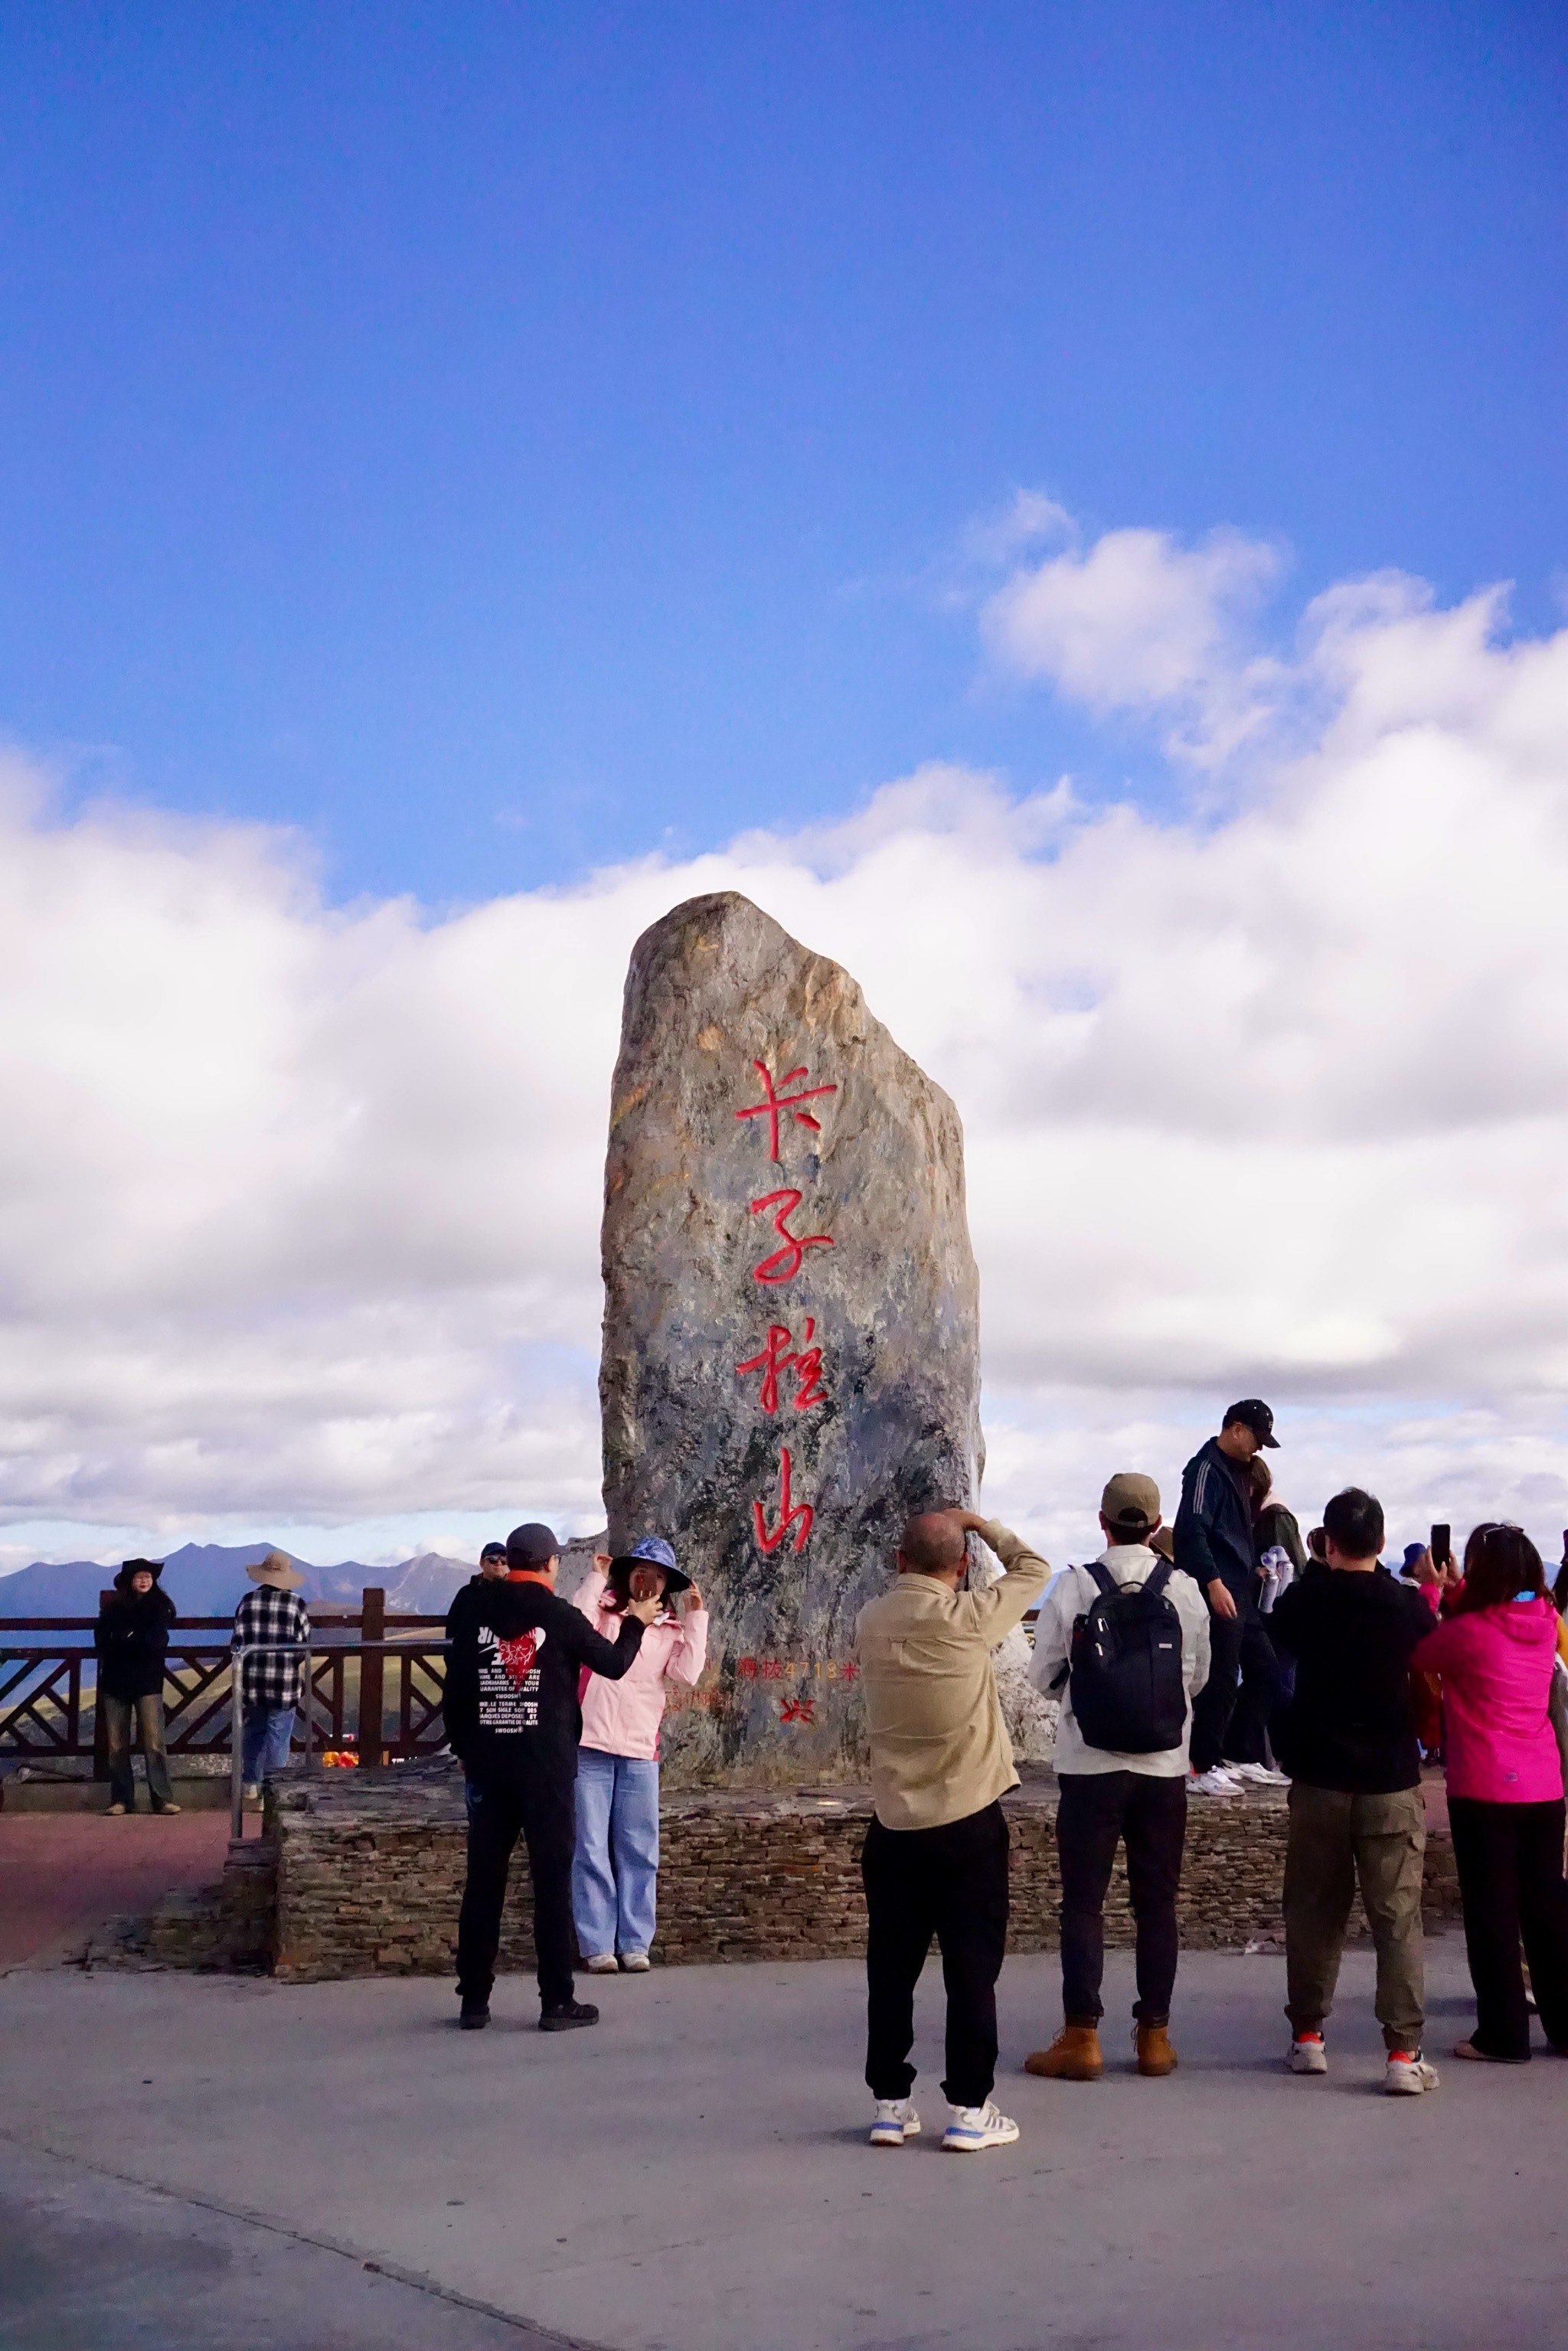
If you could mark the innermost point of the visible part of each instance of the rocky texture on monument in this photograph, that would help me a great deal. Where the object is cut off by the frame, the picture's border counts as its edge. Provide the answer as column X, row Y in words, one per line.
column 791, row 1346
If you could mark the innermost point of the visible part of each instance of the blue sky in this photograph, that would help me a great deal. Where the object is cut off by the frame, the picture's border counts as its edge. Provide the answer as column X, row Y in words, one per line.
column 503, row 439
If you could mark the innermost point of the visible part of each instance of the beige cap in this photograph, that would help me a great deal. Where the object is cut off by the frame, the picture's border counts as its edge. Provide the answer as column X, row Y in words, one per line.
column 279, row 1570
column 1131, row 1501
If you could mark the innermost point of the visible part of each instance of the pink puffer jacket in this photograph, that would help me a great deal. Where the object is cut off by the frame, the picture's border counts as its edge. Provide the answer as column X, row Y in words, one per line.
column 1496, row 1666
column 622, row 1718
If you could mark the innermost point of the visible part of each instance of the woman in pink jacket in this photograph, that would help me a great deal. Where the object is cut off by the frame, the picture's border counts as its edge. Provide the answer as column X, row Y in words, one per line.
column 615, row 1869
column 1495, row 1655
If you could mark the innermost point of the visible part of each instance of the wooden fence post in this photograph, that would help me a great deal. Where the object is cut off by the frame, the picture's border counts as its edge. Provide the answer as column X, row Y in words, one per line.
column 99, row 1720
column 373, row 1627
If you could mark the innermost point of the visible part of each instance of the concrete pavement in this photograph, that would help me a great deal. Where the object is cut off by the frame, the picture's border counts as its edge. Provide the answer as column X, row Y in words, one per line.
column 693, row 2172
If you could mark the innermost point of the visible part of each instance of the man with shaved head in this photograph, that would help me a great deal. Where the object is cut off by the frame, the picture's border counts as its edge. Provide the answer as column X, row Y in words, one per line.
column 935, row 1857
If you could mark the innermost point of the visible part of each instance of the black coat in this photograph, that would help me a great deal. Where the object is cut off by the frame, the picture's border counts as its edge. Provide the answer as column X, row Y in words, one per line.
column 1213, row 1528
column 512, row 1674
column 132, row 1639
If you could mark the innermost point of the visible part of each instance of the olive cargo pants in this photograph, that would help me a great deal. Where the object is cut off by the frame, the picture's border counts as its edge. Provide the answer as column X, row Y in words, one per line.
column 1335, row 1840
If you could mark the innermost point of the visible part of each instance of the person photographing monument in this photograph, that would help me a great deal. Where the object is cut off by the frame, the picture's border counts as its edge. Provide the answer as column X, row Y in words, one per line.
column 1126, row 1643
column 1356, row 1812
column 516, row 1658
column 935, row 1857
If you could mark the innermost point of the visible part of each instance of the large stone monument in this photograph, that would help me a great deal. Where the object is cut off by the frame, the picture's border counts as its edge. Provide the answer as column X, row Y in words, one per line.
column 792, row 1357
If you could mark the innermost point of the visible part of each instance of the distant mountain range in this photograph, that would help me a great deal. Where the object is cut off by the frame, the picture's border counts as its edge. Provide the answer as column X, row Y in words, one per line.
column 209, row 1579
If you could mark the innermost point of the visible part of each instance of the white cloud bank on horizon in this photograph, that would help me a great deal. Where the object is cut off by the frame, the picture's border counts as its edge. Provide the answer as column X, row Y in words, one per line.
column 299, row 1207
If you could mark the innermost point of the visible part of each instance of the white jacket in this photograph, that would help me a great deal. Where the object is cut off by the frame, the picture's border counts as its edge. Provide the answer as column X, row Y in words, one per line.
column 1072, row 1595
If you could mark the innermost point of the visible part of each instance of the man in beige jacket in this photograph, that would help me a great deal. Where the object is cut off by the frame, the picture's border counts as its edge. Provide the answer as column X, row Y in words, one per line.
column 935, row 1857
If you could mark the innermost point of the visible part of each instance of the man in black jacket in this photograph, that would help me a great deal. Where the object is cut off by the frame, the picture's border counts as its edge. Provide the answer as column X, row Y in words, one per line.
column 517, row 1654
column 1356, row 1809
column 1213, row 1544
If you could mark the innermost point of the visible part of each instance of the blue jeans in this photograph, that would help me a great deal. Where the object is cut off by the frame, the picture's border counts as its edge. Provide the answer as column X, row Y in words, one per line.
column 264, row 1745
column 615, row 1869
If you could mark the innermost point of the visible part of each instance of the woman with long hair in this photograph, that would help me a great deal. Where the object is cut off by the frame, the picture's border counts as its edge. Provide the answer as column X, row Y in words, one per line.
column 1495, row 1654
column 615, row 1870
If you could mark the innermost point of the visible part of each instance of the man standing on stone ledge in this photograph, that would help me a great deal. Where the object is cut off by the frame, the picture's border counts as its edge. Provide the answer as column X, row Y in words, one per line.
column 513, row 1721
column 1214, row 1546
column 935, row 1855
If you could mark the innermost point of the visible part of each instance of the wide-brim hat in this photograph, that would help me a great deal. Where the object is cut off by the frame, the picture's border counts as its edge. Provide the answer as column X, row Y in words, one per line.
column 130, row 1568
column 653, row 1551
column 277, row 1569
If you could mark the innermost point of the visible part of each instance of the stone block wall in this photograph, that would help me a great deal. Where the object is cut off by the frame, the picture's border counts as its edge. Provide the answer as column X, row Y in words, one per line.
column 369, row 1877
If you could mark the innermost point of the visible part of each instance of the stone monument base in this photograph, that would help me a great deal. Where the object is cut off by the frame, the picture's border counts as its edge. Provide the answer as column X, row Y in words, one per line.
column 366, row 1877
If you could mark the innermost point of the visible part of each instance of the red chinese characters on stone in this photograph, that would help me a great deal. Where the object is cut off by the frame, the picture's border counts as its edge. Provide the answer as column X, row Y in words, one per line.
column 798, row 1710
column 773, row 1103
column 789, row 1513
column 781, row 1354
column 784, row 1263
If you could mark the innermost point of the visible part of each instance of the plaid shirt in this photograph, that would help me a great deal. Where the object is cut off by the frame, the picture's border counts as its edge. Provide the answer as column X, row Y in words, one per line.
column 268, row 1615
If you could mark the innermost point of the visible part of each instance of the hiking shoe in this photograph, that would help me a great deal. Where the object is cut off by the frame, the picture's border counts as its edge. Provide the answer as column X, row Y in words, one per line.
column 974, row 2128
column 167, row 1811
column 1308, row 2055
column 897, row 2120
column 1407, row 2073
column 635, row 1963
column 1074, row 2056
column 601, row 1963
column 476, row 2013
column 118, row 1811
column 1259, row 1774
column 1486, row 2056
column 568, row 2016
column 1212, row 1783
column 1156, row 2058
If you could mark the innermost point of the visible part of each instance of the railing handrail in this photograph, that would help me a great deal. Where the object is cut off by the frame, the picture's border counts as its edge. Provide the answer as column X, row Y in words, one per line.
column 324, row 1615
column 241, row 1650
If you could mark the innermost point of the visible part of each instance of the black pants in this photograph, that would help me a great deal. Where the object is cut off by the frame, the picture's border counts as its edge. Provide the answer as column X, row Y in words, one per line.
column 1096, row 1810
column 1510, row 1860
column 952, row 1882
column 545, row 1816
column 1241, row 1663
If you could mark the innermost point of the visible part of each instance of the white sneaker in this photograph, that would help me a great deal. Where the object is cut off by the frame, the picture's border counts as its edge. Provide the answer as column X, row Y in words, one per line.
column 1259, row 1774
column 635, row 1963
column 252, row 1793
column 973, row 2127
column 897, row 2120
column 1308, row 2055
column 1405, row 2076
column 1212, row 1783
column 602, row 1963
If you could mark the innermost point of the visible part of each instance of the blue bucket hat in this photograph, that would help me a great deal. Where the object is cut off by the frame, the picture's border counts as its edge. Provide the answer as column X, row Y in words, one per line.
column 656, row 1552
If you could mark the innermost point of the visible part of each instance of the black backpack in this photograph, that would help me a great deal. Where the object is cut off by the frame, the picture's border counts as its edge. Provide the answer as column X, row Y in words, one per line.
column 1126, row 1685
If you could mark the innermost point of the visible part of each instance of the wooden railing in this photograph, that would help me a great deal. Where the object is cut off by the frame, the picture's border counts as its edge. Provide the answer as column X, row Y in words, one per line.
column 48, row 1688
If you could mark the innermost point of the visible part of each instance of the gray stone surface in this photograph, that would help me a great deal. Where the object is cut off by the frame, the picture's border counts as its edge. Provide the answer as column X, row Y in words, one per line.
column 839, row 1226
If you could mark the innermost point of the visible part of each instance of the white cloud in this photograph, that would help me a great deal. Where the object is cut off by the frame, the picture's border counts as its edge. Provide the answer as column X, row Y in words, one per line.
column 1138, row 622
column 299, row 1207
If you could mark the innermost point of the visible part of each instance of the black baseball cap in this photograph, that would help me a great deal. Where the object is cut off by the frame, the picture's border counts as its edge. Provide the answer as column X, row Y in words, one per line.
column 1255, row 1414
column 533, row 1545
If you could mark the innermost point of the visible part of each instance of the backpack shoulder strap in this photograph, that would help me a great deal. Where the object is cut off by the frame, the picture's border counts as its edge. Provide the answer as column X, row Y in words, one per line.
column 1108, row 1585
column 1160, row 1578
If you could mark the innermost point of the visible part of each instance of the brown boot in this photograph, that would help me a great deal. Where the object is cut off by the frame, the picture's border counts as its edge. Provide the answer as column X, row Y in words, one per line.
column 1156, row 2055
column 1072, row 2057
